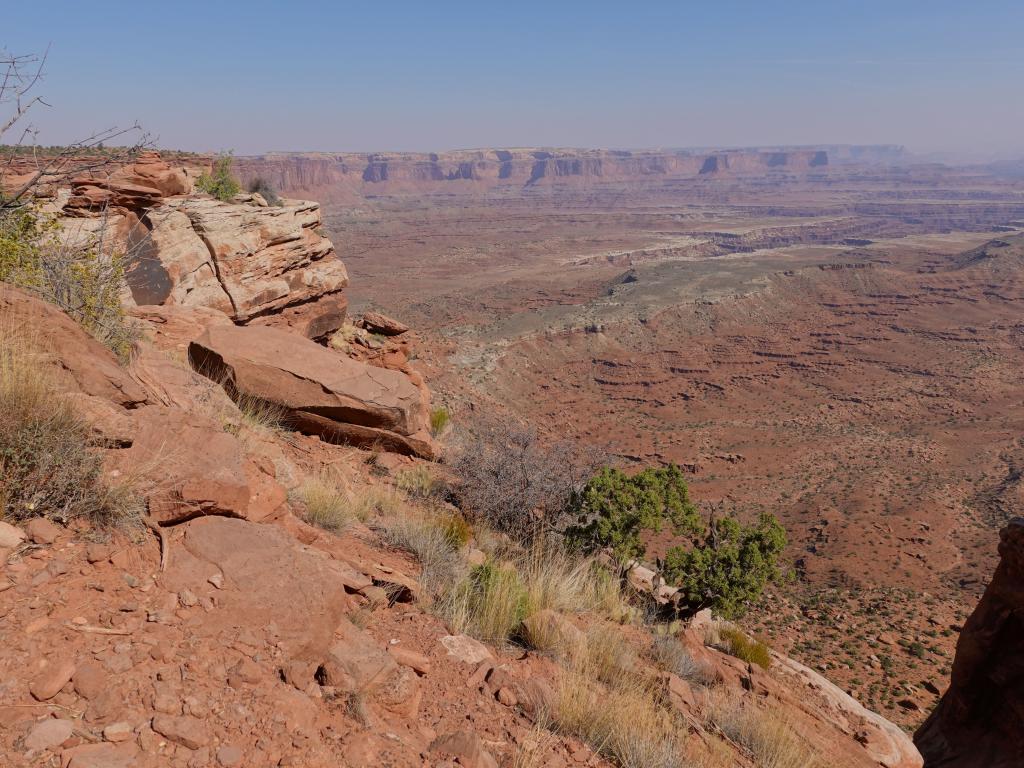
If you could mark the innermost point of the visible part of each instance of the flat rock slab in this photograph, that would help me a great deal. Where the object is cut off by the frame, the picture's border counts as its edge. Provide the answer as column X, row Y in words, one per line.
column 466, row 649
column 49, row 734
column 326, row 393
column 296, row 595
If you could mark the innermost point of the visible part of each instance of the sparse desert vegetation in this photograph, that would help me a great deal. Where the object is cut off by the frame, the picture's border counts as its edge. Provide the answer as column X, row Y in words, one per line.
column 508, row 456
column 220, row 181
column 48, row 465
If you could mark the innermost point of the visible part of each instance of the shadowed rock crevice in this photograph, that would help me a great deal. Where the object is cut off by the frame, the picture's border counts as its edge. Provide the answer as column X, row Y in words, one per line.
column 980, row 719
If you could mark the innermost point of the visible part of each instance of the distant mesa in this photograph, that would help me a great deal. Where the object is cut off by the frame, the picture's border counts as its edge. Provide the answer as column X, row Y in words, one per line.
column 480, row 169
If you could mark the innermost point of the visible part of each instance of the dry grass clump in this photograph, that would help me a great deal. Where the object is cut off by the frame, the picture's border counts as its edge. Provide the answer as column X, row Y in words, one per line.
column 609, row 656
column 750, row 650
column 342, row 338
column 622, row 723
column 490, row 603
column 327, row 505
column 557, row 580
column 417, row 482
column 454, row 526
column 330, row 507
column 47, row 468
column 534, row 751
column 769, row 739
column 421, row 535
column 262, row 416
column 370, row 501
column 670, row 655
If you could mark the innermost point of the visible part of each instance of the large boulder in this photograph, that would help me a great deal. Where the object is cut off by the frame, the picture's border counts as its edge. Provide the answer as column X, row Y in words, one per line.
column 151, row 170
column 325, row 393
column 980, row 718
column 267, row 264
column 89, row 194
column 270, row 583
column 170, row 264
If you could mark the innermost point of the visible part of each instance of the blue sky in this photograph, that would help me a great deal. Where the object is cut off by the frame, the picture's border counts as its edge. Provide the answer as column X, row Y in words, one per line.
column 353, row 76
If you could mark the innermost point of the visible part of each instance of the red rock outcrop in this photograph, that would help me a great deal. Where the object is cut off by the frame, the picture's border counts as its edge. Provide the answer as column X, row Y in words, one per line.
column 255, row 263
column 134, row 187
column 266, row 641
column 78, row 363
column 325, row 392
column 980, row 719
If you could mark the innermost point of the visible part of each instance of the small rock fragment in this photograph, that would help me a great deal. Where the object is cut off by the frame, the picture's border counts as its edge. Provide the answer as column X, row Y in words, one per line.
column 48, row 734
column 42, row 531
column 188, row 731
column 410, row 658
column 97, row 553
column 55, row 676
column 117, row 732
column 10, row 535
column 466, row 649
column 229, row 756
column 507, row 697
column 90, row 680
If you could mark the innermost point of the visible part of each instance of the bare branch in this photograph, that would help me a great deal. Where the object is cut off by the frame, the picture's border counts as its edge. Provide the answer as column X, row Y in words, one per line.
column 20, row 75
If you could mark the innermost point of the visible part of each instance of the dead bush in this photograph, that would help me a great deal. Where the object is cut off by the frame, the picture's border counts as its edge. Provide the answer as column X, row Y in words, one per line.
column 515, row 483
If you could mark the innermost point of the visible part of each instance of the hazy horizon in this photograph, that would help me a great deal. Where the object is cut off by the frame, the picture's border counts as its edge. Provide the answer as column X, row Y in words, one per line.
column 937, row 78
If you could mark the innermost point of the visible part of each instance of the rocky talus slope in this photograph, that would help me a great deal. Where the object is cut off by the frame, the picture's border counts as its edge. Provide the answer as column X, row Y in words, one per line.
column 248, row 637
column 979, row 720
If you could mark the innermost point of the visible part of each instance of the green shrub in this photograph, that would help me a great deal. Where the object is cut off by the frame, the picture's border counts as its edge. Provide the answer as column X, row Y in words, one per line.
column 730, row 567
column 21, row 233
column 614, row 509
column 746, row 648
column 263, row 188
column 439, row 419
column 219, row 182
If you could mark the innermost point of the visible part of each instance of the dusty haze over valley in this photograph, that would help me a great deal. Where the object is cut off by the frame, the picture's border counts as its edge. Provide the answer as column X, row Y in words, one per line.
column 831, row 333
column 536, row 385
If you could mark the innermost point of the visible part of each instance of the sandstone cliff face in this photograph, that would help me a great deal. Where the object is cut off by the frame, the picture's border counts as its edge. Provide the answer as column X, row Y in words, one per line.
column 252, row 261
column 390, row 172
column 980, row 719
column 247, row 260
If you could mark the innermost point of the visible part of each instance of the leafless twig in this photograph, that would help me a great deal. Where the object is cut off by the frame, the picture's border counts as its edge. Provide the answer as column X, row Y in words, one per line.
column 19, row 77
